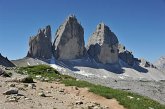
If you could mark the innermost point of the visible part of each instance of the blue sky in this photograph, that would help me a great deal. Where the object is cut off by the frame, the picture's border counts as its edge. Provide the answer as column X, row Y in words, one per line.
column 139, row 24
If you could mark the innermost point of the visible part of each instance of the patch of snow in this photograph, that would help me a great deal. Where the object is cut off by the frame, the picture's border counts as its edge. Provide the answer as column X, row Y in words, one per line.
column 121, row 77
column 28, row 63
column 105, row 77
column 83, row 73
column 58, row 68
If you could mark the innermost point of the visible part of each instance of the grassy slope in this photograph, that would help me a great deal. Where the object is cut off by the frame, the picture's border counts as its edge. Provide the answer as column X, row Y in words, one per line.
column 137, row 102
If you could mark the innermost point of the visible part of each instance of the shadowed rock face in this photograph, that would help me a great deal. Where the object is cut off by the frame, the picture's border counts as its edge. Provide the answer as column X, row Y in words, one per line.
column 126, row 55
column 103, row 45
column 69, row 41
column 5, row 62
column 40, row 46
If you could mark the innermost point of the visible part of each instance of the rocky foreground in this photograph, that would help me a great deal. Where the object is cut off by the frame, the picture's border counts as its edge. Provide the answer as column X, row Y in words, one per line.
column 15, row 93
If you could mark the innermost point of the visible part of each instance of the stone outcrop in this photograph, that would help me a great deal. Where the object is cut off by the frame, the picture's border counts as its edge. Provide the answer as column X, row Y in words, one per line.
column 103, row 45
column 5, row 62
column 160, row 63
column 40, row 46
column 145, row 63
column 69, row 41
column 126, row 55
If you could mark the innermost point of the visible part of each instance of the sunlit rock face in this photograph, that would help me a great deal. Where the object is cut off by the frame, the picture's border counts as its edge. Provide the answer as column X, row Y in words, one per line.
column 40, row 46
column 103, row 45
column 69, row 42
column 160, row 63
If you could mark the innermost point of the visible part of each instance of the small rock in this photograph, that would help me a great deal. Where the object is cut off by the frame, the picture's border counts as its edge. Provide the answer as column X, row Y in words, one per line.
column 57, row 80
column 12, row 85
column 79, row 102
column 150, row 108
column 32, row 86
column 26, row 79
column 46, row 79
column 48, row 92
column 138, row 98
column 39, row 104
column 11, row 91
column 38, row 76
column 76, row 88
column 25, row 85
column 12, row 98
column 28, row 99
column 42, row 94
column 97, row 107
column 21, row 88
column 61, row 90
column 130, row 97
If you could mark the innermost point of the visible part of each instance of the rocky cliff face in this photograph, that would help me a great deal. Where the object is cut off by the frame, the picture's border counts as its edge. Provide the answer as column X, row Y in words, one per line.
column 126, row 55
column 103, row 45
column 5, row 62
column 40, row 46
column 69, row 41
column 160, row 63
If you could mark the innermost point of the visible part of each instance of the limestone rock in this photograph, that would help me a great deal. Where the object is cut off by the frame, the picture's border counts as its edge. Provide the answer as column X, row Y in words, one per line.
column 5, row 62
column 69, row 42
column 145, row 63
column 11, row 91
column 126, row 55
column 103, row 45
column 26, row 79
column 42, row 94
column 40, row 46
column 160, row 63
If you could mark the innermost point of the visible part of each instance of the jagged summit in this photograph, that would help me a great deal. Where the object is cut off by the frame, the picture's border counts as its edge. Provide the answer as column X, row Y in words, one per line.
column 103, row 45
column 69, row 42
column 40, row 45
column 71, row 17
column 103, row 35
column 5, row 62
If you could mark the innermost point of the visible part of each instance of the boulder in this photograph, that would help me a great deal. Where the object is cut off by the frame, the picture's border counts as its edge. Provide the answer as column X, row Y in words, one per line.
column 69, row 42
column 103, row 45
column 11, row 91
column 40, row 46
column 126, row 55
column 5, row 74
